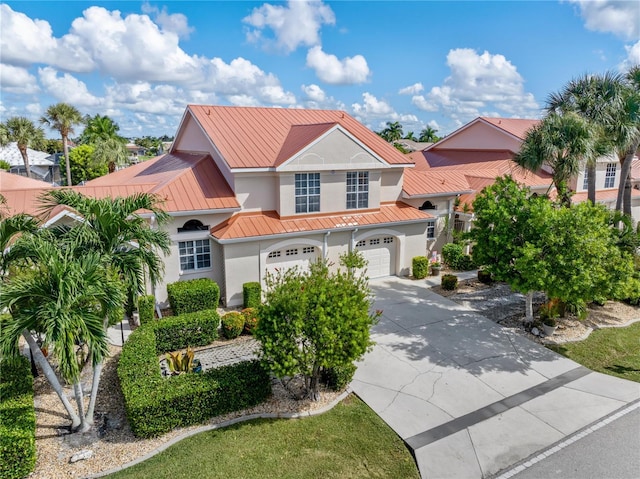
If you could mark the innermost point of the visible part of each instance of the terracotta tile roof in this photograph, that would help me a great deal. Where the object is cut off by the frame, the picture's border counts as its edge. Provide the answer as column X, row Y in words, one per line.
column 249, row 137
column 252, row 225
column 418, row 183
column 515, row 126
column 602, row 195
column 11, row 181
column 185, row 182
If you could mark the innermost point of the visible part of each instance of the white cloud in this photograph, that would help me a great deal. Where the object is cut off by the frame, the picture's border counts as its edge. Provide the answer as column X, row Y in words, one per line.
column 622, row 18
column 67, row 88
column 379, row 111
column 633, row 57
column 314, row 93
column 316, row 98
column 329, row 69
column 23, row 40
column 17, row 80
column 411, row 89
column 479, row 83
column 175, row 22
column 298, row 23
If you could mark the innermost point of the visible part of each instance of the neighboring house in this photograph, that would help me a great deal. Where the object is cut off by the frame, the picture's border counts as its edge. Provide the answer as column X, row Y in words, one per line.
column 44, row 166
column 252, row 190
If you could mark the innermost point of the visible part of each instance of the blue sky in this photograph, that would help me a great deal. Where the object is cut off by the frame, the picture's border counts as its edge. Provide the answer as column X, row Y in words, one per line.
column 422, row 63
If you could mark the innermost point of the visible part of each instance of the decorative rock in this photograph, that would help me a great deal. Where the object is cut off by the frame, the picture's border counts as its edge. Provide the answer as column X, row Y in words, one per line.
column 535, row 332
column 81, row 456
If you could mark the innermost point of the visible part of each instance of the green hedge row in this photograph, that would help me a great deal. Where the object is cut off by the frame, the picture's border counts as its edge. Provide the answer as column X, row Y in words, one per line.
column 17, row 419
column 156, row 405
column 420, row 267
column 251, row 294
column 192, row 329
column 193, row 295
column 146, row 308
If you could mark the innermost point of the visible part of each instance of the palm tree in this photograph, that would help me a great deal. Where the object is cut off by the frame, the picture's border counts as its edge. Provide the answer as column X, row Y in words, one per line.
column 115, row 229
column 410, row 136
column 111, row 152
column 62, row 117
column 22, row 130
column 428, row 135
column 392, row 133
column 64, row 297
column 561, row 142
column 99, row 127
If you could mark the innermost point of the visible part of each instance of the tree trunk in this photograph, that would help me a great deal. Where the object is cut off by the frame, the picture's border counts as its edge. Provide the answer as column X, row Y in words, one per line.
column 313, row 394
column 25, row 159
column 97, row 371
column 625, row 177
column 591, row 182
column 529, row 308
column 65, row 148
column 51, row 377
column 77, row 389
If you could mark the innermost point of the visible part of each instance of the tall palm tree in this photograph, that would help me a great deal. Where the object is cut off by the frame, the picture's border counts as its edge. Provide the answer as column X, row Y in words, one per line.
column 63, row 117
column 99, row 127
column 22, row 130
column 115, row 229
column 428, row 135
column 65, row 297
column 393, row 132
column 561, row 142
column 111, row 152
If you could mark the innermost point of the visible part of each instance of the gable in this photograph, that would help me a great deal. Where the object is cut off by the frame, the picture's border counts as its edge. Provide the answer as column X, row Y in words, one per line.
column 479, row 135
column 335, row 150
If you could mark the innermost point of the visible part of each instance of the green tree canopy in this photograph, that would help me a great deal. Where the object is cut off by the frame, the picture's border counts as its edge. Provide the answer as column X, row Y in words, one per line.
column 83, row 166
column 62, row 117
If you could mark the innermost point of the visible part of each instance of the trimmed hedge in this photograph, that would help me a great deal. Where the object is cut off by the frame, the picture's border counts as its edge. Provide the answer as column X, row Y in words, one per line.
column 146, row 308
column 485, row 277
column 17, row 419
column 251, row 294
column 339, row 377
column 250, row 319
column 232, row 324
column 193, row 295
column 453, row 255
column 192, row 329
column 449, row 282
column 420, row 267
column 156, row 405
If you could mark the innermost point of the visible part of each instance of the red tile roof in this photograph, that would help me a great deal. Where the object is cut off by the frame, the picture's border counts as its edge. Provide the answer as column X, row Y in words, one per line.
column 249, row 137
column 517, row 127
column 11, row 181
column 253, row 225
column 602, row 195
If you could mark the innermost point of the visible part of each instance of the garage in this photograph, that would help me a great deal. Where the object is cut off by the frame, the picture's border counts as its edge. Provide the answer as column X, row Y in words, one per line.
column 380, row 253
column 291, row 256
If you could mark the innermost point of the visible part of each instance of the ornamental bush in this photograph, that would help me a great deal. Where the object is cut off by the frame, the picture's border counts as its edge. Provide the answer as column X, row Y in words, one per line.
column 484, row 276
column 232, row 324
column 420, row 267
column 453, row 255
column 338, row 378
column 146, row 308
column 17, row 419
column 250, row 319
column 193, row 329
column 449, row 282
column 251, row 294
column 193, row 295
column 156, row 405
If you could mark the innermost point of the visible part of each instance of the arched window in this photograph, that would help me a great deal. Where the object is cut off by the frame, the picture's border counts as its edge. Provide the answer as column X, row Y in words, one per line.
column 193, row 225
column 427, row 205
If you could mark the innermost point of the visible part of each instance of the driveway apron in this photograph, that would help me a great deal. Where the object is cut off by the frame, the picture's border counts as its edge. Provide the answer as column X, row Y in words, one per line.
column 469, row 397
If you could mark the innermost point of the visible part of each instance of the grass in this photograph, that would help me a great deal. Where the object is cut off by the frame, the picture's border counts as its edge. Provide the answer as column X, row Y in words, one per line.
column 350, row 441
column 614, row 351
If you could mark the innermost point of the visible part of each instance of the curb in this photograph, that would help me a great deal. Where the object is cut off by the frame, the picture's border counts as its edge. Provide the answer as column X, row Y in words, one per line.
column 590, row 330
column 230, row 422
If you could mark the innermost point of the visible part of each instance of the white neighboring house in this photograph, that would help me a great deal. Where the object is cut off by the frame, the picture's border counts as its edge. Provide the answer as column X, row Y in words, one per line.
column 44, row 166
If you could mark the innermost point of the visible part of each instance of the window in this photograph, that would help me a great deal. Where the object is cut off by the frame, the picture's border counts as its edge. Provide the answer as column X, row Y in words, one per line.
column 374, row 241
column 357, row 189
column 388, row 240
column 360, row 243
column 431, row 230
column 193, row 225
column 458, row 223
column 427, row 205
column 307, row 192
column 585, row 185
column 292, row 252
column 308, row 250
column 194, row 254
column 274, row 254
column 610, row 176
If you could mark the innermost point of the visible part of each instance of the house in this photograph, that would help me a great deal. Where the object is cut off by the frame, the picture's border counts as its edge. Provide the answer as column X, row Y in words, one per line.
column 44, row 166
column 252, row 190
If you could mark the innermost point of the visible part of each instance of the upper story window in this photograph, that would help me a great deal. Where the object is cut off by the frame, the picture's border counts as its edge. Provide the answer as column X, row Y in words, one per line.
column 307, row 192
column 431, row 230
column 585, row 185
column 427, row 205
column 193, row 225
column 357, row 189
column 194, row 254
column 610, row 176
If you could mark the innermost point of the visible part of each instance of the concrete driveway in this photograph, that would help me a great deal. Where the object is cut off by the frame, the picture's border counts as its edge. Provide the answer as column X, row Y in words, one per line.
column 469, row 397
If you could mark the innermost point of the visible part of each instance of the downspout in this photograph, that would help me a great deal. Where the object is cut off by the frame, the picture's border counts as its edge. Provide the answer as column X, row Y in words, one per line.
column 325, row 245
column 352, row 245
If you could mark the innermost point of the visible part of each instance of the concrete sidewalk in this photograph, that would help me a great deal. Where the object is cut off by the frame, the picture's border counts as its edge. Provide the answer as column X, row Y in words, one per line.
column 469, row 397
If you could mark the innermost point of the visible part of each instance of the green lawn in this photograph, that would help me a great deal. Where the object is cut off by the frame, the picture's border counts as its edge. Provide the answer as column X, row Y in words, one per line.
column 614, row 351
column 350, row 441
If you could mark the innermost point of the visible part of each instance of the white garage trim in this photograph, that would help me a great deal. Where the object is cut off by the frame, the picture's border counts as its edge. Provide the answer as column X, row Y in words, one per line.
column 300, row 242
column 399, row 241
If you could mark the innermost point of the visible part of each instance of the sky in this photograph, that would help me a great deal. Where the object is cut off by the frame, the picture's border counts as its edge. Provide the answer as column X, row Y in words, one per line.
column 421, row 63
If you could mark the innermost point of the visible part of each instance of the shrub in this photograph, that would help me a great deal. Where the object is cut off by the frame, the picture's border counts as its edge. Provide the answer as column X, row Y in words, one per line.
column 232, row 324
column 454, row 257
column 193, row 295
column 250, row 319
column 485, row 277
column 338, row 377
column 449, row 282
column 155, row 405
column 251, row 294
column 193, row 329
column 146, row 308
column 420, row 267
column 17, row 419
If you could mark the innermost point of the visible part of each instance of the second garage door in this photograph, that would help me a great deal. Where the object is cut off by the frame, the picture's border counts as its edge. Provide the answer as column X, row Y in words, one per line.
column 380, row 252
column 293, row 256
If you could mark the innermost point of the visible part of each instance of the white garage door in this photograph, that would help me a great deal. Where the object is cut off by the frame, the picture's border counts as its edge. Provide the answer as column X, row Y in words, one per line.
column 380, row 252
column 291, row 256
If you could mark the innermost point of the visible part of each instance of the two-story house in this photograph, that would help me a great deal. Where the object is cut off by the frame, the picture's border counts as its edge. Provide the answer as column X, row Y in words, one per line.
column 252, row 190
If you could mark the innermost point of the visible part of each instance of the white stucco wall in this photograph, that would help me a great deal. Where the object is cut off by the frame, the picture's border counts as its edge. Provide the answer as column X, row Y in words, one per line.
column 257, row 191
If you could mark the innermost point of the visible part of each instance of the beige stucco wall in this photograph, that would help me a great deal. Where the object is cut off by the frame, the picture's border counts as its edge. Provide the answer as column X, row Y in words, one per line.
column 481, row 136
column 391, row 185
column 257, row 191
